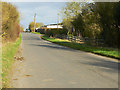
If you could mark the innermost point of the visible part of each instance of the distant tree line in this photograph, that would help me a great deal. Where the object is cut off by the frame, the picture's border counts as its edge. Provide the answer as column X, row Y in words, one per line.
column 10, row 22
column 93, row 20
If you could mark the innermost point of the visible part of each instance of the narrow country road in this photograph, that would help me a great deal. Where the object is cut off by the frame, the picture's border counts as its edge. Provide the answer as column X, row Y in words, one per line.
column 48, row 65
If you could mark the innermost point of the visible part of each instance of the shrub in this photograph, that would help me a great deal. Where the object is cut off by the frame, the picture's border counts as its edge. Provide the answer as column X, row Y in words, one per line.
column 54, row 32
column 10, row 22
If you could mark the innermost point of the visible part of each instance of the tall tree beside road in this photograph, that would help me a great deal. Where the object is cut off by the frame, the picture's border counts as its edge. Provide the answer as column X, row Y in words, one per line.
column 109, row 21
column 70, row 12
column 93, row 20
column 117, row 21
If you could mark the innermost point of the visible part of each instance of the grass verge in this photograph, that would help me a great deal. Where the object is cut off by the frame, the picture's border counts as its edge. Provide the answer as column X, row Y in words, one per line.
column 36, row 32
column 8, row 52
column 97, row 50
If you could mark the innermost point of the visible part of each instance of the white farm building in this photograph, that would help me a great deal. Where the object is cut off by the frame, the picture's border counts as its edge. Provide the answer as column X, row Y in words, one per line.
column 54, row 26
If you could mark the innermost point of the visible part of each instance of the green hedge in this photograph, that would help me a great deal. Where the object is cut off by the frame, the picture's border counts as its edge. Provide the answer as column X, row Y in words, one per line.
column 54, row 32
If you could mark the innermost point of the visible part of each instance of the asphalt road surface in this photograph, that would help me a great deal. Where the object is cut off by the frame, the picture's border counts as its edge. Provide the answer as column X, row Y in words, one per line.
column 49, row 65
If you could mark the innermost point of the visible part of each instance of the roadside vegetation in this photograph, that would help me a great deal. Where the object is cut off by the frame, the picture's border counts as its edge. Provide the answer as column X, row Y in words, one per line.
column 8, row 52
column 98, row 22
column 36, row 33
column 21, row 29
column 84, row 47
column 10, row 22
column 11, row 39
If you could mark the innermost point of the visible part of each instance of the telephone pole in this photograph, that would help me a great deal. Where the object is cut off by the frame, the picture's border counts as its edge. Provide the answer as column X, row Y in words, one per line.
column 57, row 20
column 34, row 21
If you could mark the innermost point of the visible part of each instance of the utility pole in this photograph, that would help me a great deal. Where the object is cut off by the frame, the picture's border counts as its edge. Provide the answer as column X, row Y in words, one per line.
column 34, row 21
column 57, row 20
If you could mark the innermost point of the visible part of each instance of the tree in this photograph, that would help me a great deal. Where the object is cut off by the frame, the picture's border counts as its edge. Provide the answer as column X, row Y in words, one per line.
column 70, row 12
column 78, row 24
column 31, row 26
column 93, row 20
column 37, row 25
column 117, row 21
column 108, row 22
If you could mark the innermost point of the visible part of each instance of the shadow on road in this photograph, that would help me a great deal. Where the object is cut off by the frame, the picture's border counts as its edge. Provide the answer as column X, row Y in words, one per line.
column 101, row 62
column 35, row 38
column 54, row 47
column 106, row 65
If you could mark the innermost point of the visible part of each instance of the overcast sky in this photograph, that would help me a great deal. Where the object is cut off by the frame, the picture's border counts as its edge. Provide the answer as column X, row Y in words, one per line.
column 46, row 12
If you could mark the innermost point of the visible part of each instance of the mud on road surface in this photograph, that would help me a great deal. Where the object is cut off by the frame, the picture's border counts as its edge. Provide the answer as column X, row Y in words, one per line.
column 18, row 69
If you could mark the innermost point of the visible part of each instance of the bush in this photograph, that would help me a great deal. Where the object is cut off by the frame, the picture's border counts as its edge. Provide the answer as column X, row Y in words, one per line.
column 10, row 22
column 54, row 32
column 42, row 31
